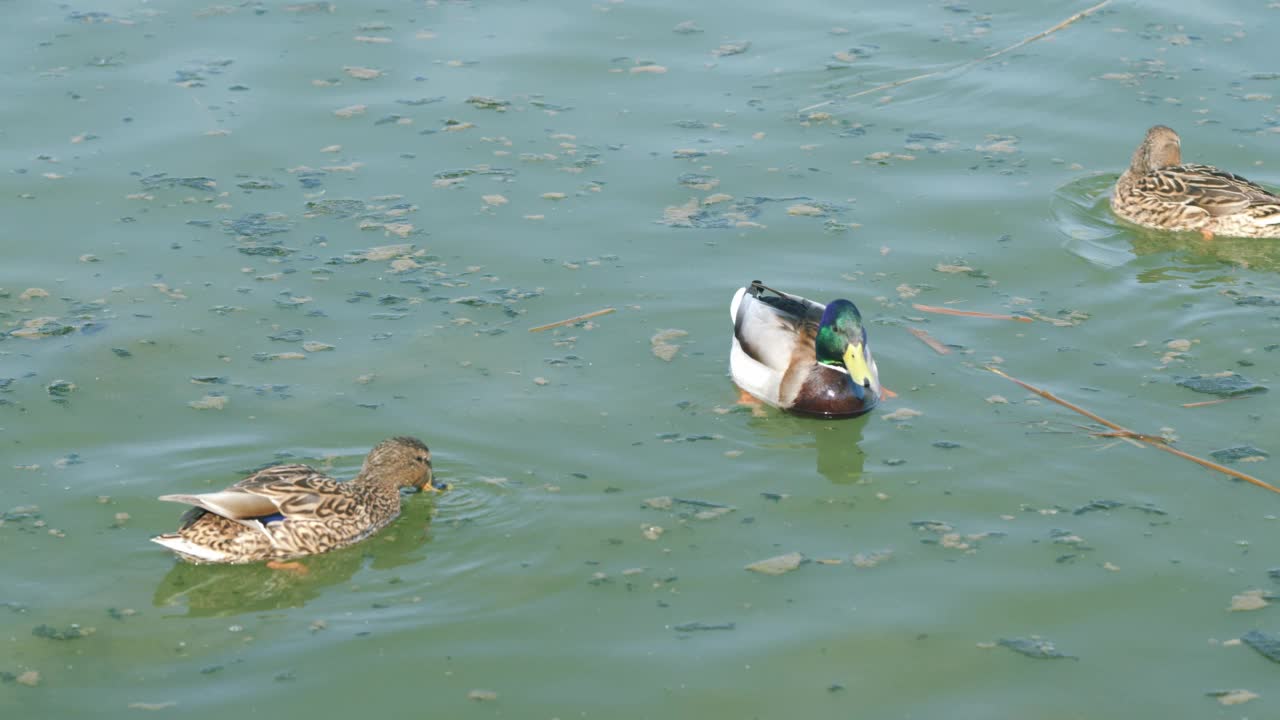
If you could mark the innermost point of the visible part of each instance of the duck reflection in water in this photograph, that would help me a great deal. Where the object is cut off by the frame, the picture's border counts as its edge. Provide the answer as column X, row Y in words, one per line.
column 839, row 456
column 1192, row 254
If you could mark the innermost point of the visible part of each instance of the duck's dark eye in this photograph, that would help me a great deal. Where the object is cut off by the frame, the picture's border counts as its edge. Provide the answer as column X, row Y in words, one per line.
column 423, row 458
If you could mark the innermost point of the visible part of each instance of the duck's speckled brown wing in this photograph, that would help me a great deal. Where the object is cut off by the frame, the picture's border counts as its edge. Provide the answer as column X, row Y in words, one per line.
column 259, row 495
column 1215, row 191
column 297, row 490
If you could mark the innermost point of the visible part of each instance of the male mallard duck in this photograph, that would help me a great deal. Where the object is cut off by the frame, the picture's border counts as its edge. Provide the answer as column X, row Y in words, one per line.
column 288, row 511
column 801, row 356
column 1159, row 191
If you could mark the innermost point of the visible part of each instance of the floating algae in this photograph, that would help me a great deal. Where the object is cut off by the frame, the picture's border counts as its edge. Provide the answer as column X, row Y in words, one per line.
column 1239, row 452
column 778, row 565
column 698, row 181
column 703, row 627
column 42, row 327
column 255, row 225
column 1227, row 384
column 1097, row 505
column 488, row 103
column 72, row 632
column 60, row 388
column 162, row 180
column 1267, row 644
column 338, row 207
column 1250, row 600
column 662, row 346
column 1035, row 647
column 1233, row 697
column 292, row 335
column 259, row 184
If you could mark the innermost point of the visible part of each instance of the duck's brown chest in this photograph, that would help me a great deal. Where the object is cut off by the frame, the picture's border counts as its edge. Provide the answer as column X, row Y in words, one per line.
column 827, row 392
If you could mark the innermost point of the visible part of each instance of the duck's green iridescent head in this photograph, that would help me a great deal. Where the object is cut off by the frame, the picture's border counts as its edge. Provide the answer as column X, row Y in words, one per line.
column 842, row 341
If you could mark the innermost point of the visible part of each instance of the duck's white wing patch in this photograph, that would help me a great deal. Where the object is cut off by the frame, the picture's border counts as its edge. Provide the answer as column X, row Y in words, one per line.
column 230, row 504
column 756, row 378
column 737, row 301
column 179, row 544
column 766, row 334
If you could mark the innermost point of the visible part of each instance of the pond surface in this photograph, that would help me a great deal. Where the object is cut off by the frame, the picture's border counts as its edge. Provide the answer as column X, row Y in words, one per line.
column 271, row 232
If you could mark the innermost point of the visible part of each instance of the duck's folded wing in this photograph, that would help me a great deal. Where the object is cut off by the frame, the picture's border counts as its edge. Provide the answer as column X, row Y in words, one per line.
column 279, row 489
column 279, row 476
column 771, row 329
column 301, row 496
column 230, row 503
column 767, row 336
column 1215, row 191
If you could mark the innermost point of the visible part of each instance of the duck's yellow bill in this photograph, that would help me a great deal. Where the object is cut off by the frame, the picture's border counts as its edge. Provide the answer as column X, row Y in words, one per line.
column 855, row 361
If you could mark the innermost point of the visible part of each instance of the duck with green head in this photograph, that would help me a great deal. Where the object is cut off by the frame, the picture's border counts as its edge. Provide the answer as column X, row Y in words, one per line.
column 801, row 356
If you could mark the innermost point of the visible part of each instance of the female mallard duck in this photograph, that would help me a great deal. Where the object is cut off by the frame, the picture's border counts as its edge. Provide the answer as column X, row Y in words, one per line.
column 1159, row 191
column 289, row 511
column 797, row 355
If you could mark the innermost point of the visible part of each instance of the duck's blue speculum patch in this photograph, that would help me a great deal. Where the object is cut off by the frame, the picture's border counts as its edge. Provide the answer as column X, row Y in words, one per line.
column 273, row 517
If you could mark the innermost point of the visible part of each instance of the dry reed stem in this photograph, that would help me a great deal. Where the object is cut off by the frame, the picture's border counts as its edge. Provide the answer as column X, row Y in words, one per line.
column 1126, row 433
column 1219, row 401
column 969, row 313
column 963, row 66
column 572, row 320
column 929, row 340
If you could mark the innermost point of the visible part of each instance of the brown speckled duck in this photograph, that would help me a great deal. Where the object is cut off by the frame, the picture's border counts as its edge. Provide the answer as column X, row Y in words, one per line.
column 801, row 356
column 1159, row 191
column 289, row 511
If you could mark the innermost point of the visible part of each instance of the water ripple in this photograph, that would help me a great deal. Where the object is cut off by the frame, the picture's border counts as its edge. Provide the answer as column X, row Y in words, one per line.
column 1082, row 214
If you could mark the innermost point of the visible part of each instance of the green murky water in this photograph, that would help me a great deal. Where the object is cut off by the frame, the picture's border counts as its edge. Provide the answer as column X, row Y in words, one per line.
column 197, row 281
